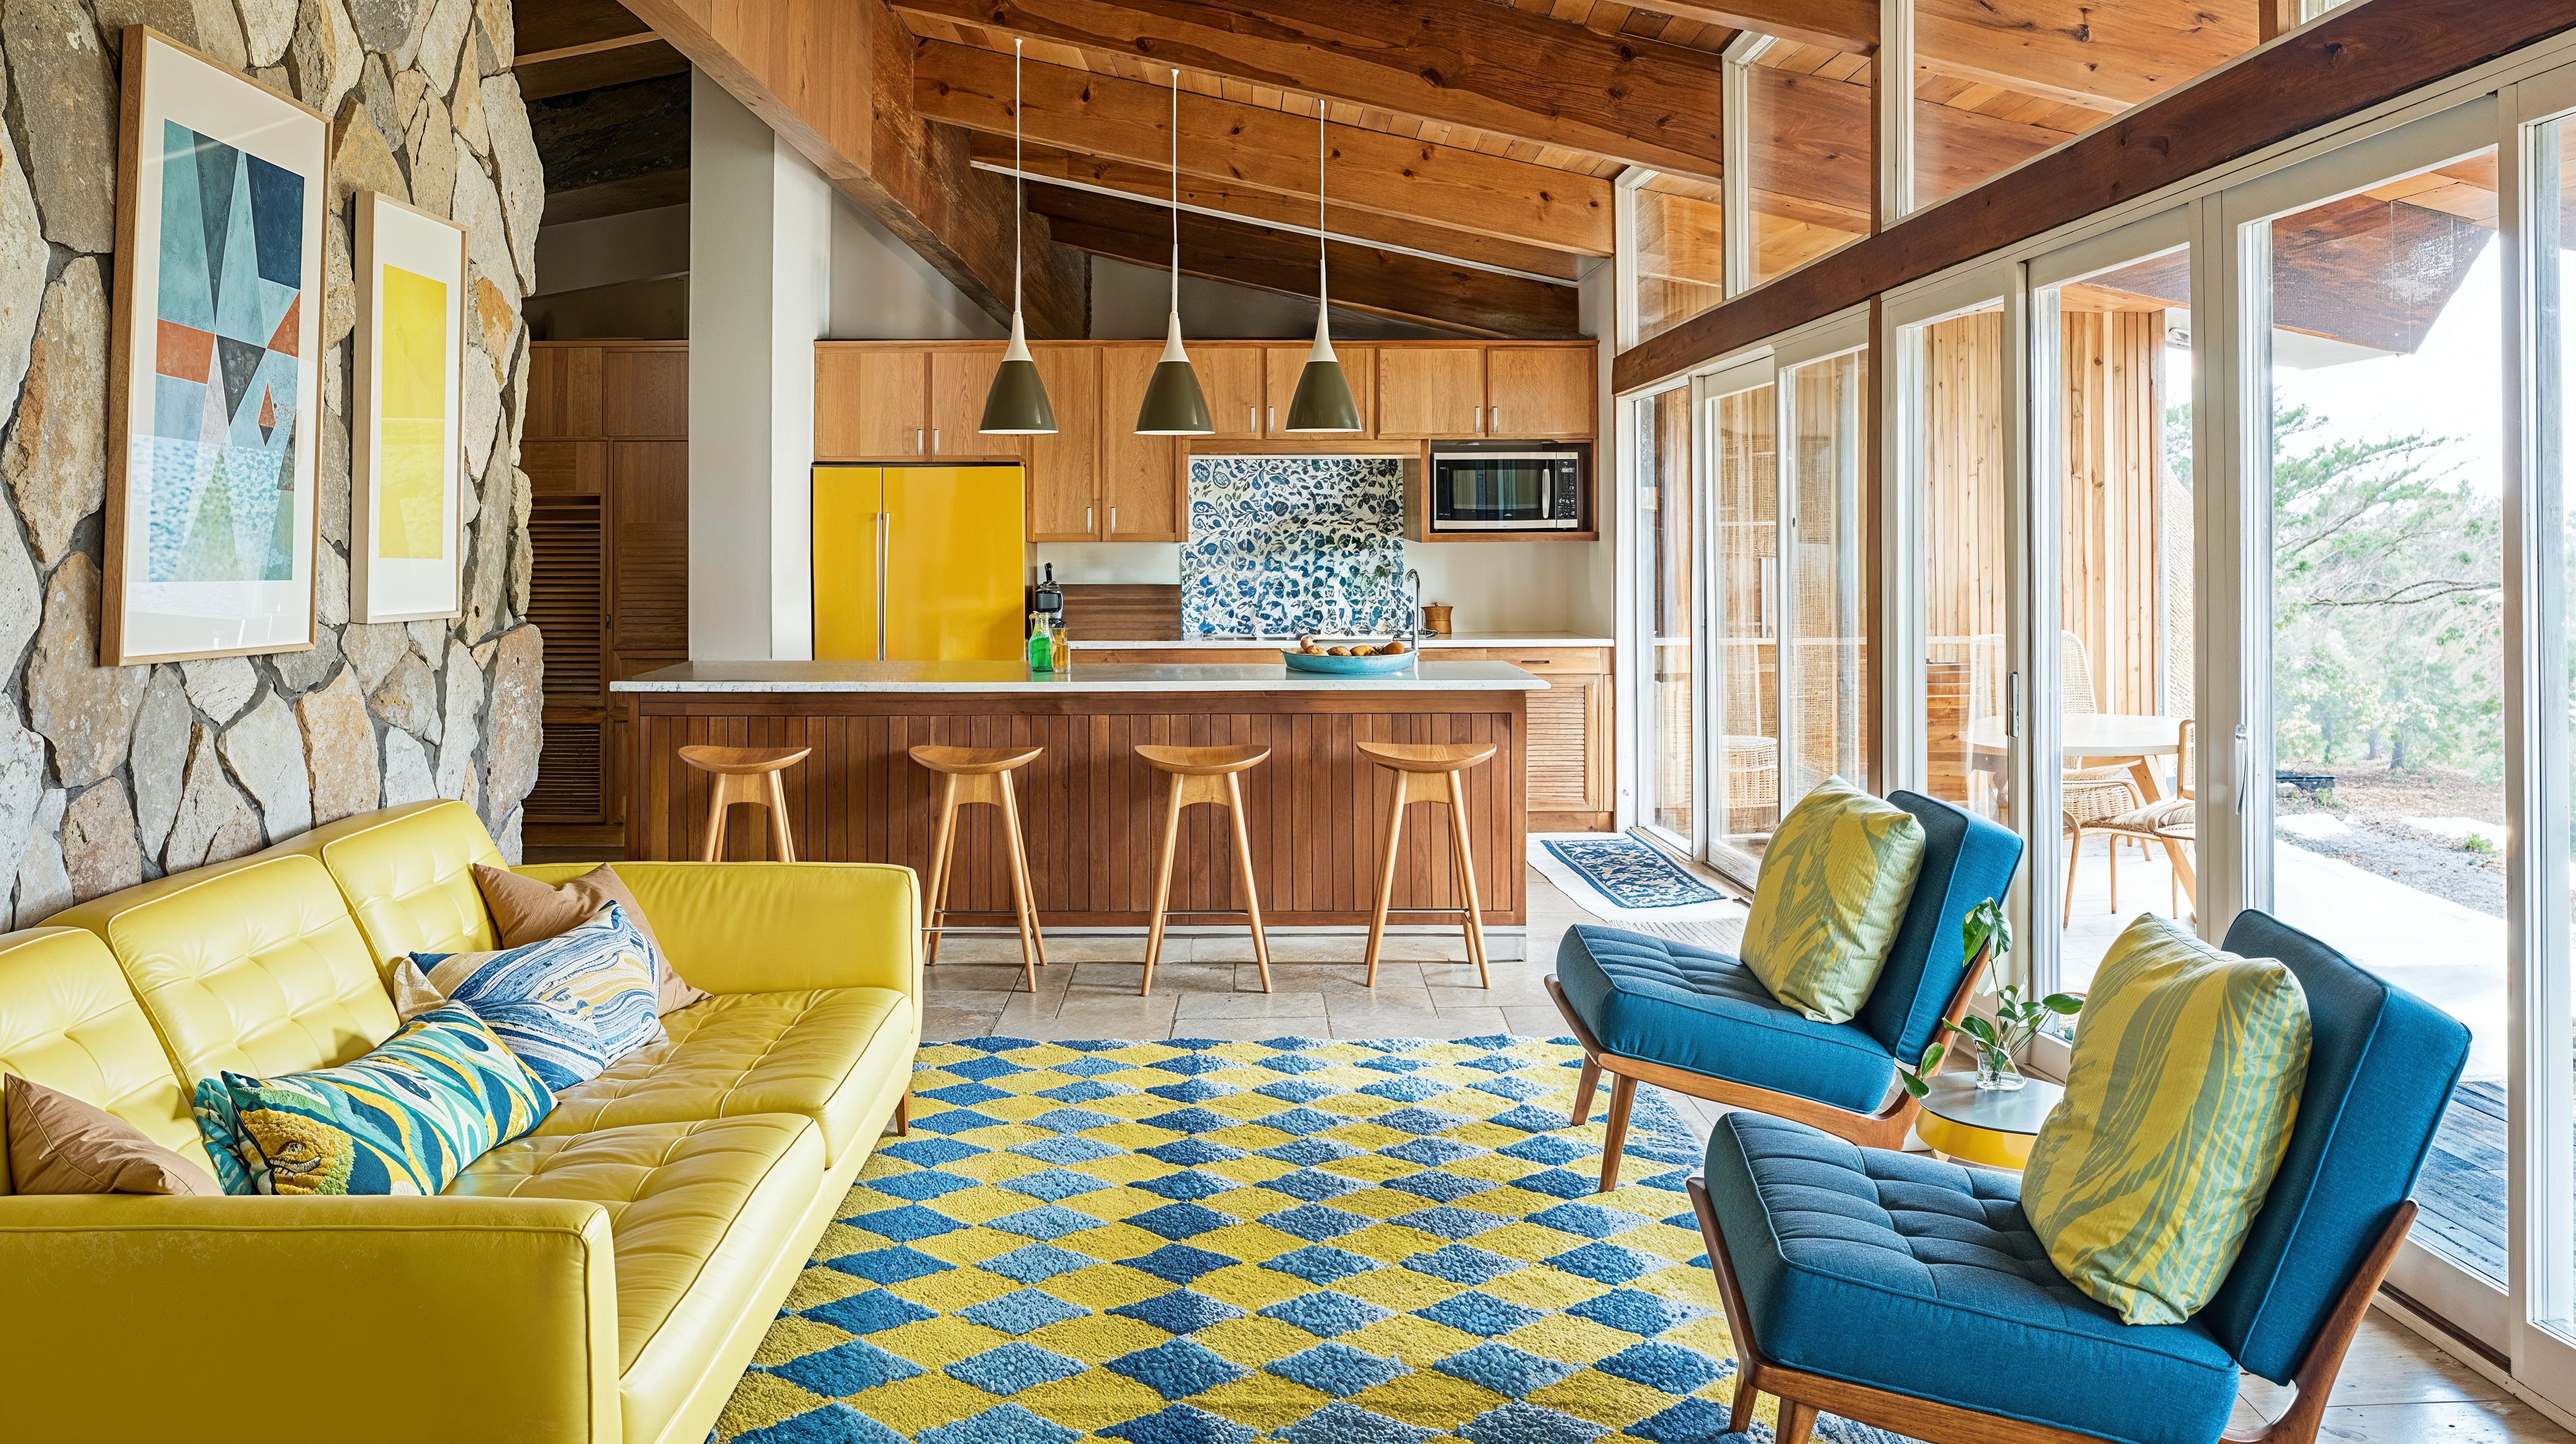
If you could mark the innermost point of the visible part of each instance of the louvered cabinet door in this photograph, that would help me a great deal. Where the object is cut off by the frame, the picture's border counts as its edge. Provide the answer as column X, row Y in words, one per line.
column 648, row 537
column 567, row 541
column 1568, row 764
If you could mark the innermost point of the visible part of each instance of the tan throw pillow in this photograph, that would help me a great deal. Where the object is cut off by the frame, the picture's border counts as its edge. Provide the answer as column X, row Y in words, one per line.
column 58, row 1144
column 528, row 911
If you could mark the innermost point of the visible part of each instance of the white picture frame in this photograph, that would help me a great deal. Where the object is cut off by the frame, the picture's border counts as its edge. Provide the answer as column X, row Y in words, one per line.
column 406, row 558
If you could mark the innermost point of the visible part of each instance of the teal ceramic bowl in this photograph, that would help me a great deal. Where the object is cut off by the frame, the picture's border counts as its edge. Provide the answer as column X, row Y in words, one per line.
column 1350, row 666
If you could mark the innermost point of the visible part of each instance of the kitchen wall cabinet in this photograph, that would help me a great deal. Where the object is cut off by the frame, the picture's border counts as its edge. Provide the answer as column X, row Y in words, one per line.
column 1430, row 391
column 1064, row 469
column 1230, row 378
column 1539, row 391
column 1285, row 364
column 960, row 378
column 1141, row 494
column 607, row 461
column 871, row 403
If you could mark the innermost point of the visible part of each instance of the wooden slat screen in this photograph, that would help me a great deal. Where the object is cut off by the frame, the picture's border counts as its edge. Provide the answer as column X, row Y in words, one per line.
column 569, row 781
column 565, row 591
column 648, row 485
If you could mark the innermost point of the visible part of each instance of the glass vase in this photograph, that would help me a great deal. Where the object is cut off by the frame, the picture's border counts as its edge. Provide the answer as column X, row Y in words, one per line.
column 1996, row 1073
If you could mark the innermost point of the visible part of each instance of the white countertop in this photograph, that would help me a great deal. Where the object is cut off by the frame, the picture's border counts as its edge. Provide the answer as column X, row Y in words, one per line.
column 1429, row 642
column 1089, row 677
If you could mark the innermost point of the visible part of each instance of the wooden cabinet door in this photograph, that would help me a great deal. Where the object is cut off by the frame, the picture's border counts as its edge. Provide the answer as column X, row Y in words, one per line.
column 1064, row 469
column 563, row 392
column 648, row 540
column 565, row 468
column 960, row 379
column 871, row 405
column 1539, row 391
column 1231, row 378
column 644, row 391
column 1140, row 476
column 1564, row 769
column 1285, row 364
column 1430, row 390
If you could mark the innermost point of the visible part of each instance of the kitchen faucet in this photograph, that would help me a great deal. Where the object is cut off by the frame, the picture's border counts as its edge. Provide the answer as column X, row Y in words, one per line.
column 1412, row 628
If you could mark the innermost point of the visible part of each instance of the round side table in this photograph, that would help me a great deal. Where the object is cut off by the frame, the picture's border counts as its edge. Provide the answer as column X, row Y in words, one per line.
column 1967, row 1124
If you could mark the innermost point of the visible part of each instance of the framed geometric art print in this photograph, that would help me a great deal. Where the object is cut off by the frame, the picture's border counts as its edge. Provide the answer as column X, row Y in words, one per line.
column 404, row 562
column 214, row 381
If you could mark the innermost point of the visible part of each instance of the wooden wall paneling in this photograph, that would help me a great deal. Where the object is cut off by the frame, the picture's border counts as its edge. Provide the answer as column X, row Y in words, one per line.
column 565, row 468
column 648, row 519
column 1064, row 469
column 960, row 379
column 2113, row 441
column 644, row 390
column 1126, row 611
column 1540, row 390
column 1430, row 391
column 563, row 391
column 871, row 403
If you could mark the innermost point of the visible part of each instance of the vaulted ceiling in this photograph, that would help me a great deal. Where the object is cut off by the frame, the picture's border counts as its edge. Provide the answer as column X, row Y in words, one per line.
column 1472, row 144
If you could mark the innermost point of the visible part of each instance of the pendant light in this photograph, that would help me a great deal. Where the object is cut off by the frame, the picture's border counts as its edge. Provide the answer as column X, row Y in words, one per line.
column 1323, row 401
column 1174, row 405
column 1017, row 404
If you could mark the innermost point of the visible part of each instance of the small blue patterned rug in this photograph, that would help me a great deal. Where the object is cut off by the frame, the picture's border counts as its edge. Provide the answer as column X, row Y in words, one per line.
column 1301, row 1240
column 1631, row 872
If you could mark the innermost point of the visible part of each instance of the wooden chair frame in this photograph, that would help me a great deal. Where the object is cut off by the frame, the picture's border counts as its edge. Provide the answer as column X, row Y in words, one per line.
column 1803, row 1395
column 1884, row 1128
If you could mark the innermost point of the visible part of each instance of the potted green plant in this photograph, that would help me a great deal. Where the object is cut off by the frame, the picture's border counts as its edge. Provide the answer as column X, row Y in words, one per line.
column 2017, row 1017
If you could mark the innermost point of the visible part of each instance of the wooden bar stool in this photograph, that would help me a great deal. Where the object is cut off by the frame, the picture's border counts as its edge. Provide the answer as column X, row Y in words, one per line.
column 1205, row 774
column 1451, row 761
column 746, row 774
column 970, row 775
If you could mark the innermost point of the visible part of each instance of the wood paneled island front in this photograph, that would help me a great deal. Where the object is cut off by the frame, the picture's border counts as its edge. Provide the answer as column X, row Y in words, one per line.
column 1092, row 809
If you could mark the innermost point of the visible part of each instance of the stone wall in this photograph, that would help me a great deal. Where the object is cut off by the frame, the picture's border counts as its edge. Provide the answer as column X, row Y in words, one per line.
column 113, row 775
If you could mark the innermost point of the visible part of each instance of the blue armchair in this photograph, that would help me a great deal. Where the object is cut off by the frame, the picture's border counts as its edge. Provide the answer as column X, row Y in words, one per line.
column 1698, row 1022
column 1912, row 1295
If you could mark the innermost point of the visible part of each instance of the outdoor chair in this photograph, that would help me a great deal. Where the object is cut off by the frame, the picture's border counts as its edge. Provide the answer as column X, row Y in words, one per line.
column 1912, row 1295
column 2165, row 822
column 1649, row 1009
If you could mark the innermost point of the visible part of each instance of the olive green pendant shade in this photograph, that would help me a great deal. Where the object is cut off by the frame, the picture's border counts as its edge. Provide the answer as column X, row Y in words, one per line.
column 1017, row 405
column 1174, row 404
column 1323, row 401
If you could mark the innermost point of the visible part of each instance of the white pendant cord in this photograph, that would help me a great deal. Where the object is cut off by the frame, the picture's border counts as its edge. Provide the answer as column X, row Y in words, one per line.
column 1019, row 207
column 1176, row 195
column 1321, row 281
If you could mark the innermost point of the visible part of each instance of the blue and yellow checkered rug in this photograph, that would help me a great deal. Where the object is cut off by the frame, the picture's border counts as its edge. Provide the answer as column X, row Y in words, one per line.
column 1305, row 1240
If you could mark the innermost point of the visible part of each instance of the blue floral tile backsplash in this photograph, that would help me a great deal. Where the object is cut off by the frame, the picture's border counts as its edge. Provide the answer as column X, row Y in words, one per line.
column 1293, row 541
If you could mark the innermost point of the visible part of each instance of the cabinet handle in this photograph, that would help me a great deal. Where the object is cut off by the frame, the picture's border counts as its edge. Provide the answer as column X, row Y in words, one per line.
column 934, row 441
column 1252, row 418
column 1087, row 523
column 916, row 441
column 1494, row 415
column 1274, row 418
column 1480, row 421
column 1113, row 521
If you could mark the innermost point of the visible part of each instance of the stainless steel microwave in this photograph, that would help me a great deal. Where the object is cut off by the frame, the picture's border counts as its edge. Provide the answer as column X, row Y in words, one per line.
column 1506, row 491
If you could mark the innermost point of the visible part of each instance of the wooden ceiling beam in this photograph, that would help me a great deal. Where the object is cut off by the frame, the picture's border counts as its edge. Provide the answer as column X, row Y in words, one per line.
column 1251, row 145
column 835, row 78
column 1153, row 184
column 2358, row 57
column 1850, row 26
column 1465, row 62
column 1364, row 278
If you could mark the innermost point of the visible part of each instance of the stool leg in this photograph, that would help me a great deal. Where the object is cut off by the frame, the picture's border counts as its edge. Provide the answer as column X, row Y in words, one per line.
column 1584, row 1083
column 935, row 896
column 1623, row 1092
column 1162, row 886
column 782, row 844
column 716, row 801
column 1023, row 900
column 1243, row 870
column 1467, row 877
column 1386, row 874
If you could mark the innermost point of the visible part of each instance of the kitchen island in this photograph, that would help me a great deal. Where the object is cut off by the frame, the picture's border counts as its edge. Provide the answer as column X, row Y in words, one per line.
column 1091, row 809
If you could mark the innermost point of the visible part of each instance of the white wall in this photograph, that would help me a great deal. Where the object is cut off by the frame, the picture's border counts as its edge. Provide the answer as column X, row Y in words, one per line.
column 882, row 290
column 636, row 246
column 760, row 228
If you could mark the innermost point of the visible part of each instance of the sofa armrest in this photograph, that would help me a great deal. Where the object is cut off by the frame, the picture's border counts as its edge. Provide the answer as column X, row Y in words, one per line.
column 771, row 927
column 388, row 1318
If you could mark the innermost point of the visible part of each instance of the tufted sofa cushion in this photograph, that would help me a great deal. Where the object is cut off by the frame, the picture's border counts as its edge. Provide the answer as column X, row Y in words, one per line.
column 1924, row 1278
column 69, row 1022
column 1687, row 1007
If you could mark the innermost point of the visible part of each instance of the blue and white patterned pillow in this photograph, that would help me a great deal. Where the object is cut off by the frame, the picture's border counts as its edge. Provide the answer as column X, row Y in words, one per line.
column 600, row 974
column 552, row 1035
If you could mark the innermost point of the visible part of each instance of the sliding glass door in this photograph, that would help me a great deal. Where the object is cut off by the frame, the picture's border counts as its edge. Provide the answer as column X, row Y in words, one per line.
column 1668, row 563
column 1741, row 411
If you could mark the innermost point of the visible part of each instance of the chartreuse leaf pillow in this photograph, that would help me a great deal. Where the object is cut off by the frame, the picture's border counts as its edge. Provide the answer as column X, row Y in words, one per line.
column 1834, row 883
column 2179, row 1099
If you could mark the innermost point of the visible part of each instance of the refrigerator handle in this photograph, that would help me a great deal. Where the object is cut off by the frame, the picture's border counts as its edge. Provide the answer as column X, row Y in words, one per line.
column 885, row 529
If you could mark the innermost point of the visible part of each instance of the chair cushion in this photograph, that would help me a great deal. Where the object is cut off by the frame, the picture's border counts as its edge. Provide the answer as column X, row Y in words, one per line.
column 699, row 1214
column 1671, row 1003
column 2180, row 1089
column 1835, row 880
column 822, row 1054
column 1923, row 1278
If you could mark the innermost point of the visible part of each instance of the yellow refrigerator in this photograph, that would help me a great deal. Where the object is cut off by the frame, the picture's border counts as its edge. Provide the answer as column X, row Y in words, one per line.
column 919, row 564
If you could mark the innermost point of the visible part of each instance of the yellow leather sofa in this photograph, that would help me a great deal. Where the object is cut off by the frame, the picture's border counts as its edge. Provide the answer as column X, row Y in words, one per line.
column 603, row 1279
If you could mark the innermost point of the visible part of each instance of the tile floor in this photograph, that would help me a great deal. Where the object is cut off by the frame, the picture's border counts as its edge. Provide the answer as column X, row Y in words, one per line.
column 2395, row 1388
